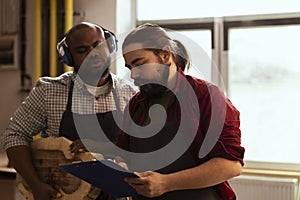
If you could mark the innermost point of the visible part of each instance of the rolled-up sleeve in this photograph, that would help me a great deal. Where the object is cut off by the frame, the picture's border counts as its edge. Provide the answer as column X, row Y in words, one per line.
column 229, row 143
column 220, row 124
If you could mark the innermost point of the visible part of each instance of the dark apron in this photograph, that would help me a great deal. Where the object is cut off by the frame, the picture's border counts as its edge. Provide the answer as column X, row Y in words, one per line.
column 167, row 133
column 85, row 123
column 69, row 130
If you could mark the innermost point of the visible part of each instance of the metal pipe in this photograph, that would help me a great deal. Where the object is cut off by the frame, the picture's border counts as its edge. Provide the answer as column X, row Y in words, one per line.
column 53, row 38
column 38, row 40
column 68, row 22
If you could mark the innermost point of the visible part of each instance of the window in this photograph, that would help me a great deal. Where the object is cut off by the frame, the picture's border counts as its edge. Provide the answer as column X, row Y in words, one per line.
column 199, row 46
column 8, row 52
column 264, row 83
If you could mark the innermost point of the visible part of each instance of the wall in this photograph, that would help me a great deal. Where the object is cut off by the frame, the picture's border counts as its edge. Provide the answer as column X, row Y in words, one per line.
column 101, row 12
column 30, row 15
column 10, row 85
column 117, row 16
column 10, row 95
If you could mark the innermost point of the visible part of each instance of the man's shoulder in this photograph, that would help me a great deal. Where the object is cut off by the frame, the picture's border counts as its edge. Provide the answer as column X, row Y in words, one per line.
column 124, row 84
column 201, row 85
column 63, row 80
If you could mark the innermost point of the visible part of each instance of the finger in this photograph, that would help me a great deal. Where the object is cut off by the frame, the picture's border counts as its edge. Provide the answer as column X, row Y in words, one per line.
column 78, row 150
column 140, row 189
column 136, row 181
column 73, row 148
column 136, row 185
column 118, row 159
column 73, row 145
column 56, row 196
column 123, row 164
column 77, row 147
column 143, row 174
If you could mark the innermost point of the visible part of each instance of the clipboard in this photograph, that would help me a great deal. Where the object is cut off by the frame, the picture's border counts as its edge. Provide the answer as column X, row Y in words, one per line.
column 104, row 174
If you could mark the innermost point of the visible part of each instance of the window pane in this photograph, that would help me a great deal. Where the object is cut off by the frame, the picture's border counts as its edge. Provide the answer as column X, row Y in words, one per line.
column 264, row 71
column 198, row 44
column 177, row 9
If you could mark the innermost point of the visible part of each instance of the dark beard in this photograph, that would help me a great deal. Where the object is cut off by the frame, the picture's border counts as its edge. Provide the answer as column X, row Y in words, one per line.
column 153, row 90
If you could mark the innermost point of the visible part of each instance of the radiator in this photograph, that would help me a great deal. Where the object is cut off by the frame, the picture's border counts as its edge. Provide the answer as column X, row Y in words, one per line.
column 264, row 188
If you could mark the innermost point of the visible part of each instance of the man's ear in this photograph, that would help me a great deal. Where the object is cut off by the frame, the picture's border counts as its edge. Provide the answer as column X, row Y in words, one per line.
column 166, row 54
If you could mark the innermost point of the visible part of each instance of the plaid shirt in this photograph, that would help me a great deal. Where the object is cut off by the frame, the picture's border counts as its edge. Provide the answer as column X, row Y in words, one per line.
column 42, row 110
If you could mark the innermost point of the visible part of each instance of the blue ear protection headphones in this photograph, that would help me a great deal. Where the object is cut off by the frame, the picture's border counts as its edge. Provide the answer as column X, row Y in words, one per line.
column 64, row 53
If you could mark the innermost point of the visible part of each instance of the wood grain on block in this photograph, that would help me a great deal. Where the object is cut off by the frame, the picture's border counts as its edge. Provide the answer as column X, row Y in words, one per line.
column 47, row 154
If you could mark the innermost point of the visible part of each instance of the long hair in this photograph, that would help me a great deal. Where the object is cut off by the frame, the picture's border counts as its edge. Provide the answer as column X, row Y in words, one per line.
column 153, row 37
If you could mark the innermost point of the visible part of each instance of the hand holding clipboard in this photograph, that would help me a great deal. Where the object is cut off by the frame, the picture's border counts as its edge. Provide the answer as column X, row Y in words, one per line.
column 105, row 174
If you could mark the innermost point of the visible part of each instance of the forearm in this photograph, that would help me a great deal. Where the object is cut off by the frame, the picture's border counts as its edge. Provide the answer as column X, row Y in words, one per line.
column 212, row 172
column 20, row 158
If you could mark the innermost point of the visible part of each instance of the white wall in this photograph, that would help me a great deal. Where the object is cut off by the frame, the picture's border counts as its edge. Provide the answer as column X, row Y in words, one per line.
column 102, row 12
column 117, row 16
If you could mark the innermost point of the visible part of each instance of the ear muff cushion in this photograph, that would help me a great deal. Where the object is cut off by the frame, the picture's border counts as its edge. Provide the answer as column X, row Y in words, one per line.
column 64, row 53
column 68, row 60
column 111, row 41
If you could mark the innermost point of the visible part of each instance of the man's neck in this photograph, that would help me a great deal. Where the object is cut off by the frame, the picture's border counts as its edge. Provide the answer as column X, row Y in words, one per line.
column 103, row 80
column 172, row 76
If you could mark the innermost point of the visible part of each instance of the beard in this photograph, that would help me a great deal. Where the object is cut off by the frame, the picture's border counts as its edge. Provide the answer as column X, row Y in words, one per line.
column 154, row 88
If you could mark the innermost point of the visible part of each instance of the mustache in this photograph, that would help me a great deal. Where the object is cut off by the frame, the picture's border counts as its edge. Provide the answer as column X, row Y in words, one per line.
column 143, row 82
column 95, row 59
column 98, row 60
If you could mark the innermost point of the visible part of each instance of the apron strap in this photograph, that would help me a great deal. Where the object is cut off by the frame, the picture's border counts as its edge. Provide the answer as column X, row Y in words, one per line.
column 70, row 95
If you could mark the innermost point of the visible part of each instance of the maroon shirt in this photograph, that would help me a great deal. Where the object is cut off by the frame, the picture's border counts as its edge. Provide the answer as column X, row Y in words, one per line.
column 217, row 118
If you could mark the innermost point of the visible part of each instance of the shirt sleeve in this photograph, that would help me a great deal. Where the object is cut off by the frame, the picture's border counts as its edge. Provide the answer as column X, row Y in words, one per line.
column 229, row 143
column 28, row 120
column 221, row 124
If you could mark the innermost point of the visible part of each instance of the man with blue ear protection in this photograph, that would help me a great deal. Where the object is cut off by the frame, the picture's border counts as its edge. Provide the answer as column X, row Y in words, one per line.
column 91, row 56
column 54, row 104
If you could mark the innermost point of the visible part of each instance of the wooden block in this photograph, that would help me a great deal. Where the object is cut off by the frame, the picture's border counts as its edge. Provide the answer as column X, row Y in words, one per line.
column 47, row 154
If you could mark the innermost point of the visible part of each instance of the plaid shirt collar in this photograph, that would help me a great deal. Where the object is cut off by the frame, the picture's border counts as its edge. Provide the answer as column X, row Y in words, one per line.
column 80, row 85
